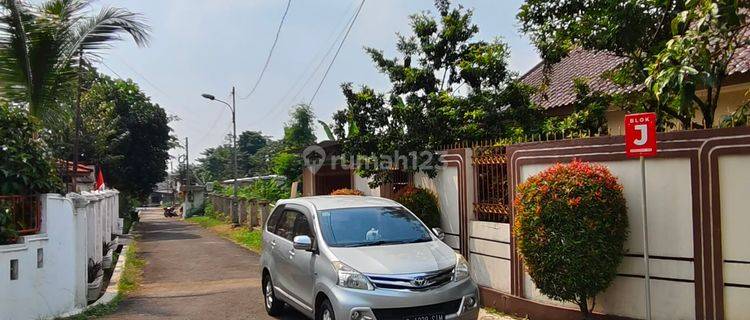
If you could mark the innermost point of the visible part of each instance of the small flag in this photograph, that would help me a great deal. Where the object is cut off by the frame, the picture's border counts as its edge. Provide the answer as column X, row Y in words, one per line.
column 99, row 180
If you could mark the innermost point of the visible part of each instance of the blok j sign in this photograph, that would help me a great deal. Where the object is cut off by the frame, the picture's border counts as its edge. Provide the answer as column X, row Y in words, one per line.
column 640, row 135
column 640, row 142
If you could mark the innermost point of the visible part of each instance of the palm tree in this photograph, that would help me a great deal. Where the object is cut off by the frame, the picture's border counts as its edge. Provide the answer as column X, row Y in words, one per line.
column 41, row 46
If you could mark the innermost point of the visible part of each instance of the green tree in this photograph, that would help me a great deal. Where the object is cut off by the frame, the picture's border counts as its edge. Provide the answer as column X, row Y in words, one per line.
column 131, row 136
column 705, row 38
column 249, row 143
column 299, row 132
column 673, row 46
column 25, row 167
column 40, row 44
column 215, row 163
column 446, row 87
column 260, row 162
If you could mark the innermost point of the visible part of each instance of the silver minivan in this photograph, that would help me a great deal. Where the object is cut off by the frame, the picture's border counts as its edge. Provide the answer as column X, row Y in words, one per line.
column 354, row 257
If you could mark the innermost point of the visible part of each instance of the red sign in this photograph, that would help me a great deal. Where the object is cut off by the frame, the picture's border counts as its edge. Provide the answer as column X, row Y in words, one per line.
column 640, row 135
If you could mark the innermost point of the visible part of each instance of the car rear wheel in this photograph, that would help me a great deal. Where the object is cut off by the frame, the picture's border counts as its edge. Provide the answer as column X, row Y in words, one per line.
column 273, row 305
column 325, row 311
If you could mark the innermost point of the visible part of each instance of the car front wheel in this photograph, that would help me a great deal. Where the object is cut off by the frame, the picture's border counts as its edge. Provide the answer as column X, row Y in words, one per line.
column 325, row 311
column 273, row 305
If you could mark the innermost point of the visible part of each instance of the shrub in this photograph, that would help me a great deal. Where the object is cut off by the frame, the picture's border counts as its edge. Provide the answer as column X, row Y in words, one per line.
column 570, row 228
column 270, row 190
column 8, row 231
column 347, row 192
column 421, row 202
column 25, row 167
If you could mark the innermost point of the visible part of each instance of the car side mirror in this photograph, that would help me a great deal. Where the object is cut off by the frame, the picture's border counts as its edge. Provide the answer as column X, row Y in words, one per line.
column 303, row 243
column 439, row 233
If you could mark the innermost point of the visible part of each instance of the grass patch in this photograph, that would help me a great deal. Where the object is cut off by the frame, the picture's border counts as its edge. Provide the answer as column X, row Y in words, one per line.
column 241, row 235
column 501, row 314
column 98, row 311
column 132, row 272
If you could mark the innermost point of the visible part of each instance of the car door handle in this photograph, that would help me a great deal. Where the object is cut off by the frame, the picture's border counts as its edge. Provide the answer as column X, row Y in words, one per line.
column 273, row 243
column 291, row 253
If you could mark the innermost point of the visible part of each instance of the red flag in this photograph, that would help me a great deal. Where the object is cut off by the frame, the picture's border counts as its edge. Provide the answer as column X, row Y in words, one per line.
column 99, row 180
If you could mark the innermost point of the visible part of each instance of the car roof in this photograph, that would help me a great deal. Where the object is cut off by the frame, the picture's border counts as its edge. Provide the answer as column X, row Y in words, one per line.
column 341, row 202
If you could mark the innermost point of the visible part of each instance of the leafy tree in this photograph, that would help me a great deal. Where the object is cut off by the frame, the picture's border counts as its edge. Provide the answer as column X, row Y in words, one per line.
column 40, row 45
column 288, row 165
column 132, row 137
column 588, row 116
column 260, row 162
column 655, row 38
column 426, row 107
column 705, row 38
column 249, row 143
column 299, row 132
column 25, row 167
column 216, row 163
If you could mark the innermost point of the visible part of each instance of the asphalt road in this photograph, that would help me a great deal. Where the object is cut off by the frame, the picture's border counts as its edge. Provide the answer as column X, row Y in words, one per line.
column 191, row 273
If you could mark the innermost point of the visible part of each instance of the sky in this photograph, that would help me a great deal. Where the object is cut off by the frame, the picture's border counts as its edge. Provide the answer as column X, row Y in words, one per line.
column 208, row 46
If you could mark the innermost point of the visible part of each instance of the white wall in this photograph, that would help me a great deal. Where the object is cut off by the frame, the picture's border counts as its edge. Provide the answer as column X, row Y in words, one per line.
column 734, row 179
column 59, row 285
column 670, row 235
column 362, row 184
column 445, row 187
column 489, row 257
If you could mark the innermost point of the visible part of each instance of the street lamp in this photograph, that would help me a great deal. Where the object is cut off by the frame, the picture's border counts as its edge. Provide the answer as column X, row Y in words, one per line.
column 232, row 107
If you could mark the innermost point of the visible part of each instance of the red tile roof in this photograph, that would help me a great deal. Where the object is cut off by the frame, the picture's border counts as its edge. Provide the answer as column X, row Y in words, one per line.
column 591, row 65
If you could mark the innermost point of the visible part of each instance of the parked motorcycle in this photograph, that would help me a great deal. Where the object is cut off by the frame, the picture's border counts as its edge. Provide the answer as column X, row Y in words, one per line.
column 170, row 211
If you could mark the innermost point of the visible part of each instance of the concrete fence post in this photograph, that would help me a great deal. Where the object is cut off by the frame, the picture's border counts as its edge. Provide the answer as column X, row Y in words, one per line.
column 265, row 210
column 252, row 218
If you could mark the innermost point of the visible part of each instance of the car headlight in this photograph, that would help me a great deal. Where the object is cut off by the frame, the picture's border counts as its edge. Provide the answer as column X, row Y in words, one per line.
column 461, row 271
column 350, row 278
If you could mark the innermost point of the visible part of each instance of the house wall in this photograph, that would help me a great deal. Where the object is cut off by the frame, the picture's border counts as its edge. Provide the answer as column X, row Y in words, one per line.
column 362, row 184
column 58, row 285
column 730, row 99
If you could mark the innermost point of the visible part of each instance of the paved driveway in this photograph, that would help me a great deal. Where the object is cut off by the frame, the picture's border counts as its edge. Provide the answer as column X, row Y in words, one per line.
column 191, row 273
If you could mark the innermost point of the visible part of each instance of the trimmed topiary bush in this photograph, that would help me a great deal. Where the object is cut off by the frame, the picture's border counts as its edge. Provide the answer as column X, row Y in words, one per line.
column 347, row 192
column 570, row 227
column 422, row 202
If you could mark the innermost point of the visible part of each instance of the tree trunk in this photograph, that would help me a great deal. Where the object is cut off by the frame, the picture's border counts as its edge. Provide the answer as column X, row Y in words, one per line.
column 584, row 306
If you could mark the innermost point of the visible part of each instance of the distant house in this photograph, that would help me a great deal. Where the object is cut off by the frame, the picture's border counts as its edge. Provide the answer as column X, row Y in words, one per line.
column 559, row 96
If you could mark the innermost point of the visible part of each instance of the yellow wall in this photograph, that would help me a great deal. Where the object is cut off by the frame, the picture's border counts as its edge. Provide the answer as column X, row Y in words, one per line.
column 731, row 98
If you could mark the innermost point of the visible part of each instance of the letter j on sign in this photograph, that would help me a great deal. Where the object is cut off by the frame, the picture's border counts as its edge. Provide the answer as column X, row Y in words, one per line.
column 640, row 135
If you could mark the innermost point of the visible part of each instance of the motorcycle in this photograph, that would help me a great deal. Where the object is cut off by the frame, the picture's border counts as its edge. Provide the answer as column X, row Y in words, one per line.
column 170, row 212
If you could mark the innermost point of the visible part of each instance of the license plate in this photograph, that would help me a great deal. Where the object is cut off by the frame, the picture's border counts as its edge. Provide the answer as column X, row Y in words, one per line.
column 426, row 317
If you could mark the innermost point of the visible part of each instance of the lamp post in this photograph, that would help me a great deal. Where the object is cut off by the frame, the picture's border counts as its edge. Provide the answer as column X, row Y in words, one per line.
column 232, row 107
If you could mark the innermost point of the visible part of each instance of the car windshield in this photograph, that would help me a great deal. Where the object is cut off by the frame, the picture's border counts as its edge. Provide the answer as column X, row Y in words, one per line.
column 359, row 227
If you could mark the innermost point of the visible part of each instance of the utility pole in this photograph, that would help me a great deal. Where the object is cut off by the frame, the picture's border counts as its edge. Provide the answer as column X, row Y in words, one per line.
column 187, row 171
column 77, row 136
column 235, row 203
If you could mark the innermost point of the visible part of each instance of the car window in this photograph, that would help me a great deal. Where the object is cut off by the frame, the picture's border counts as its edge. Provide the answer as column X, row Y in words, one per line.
column 273, row 220
column 285, row 227
column 302, row 226
column 356, row 227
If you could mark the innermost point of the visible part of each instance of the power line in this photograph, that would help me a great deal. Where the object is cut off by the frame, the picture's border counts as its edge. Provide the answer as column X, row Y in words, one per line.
column 337, row 52
column 342, row 25
column 270, row 53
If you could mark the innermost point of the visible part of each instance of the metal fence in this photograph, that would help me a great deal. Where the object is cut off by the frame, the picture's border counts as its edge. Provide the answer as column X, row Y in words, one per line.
column 491, row 196
column 25, row 212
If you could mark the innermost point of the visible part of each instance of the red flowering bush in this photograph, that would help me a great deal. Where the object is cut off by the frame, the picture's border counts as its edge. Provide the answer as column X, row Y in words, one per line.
column 570, row 227
column 347, row 192
column 422, row 202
